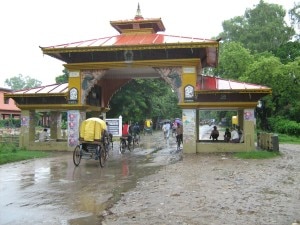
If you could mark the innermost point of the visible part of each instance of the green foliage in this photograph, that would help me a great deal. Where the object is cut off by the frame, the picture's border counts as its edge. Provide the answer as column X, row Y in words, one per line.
column 144, row 98
column 284, row 126
column 262, row 28
column 64, row 78
column 283, row 79
column 294, row 14
column 19, row 82
column 7, row 148
column 288, row 52
column 64, row 124
column 284, row 138
column 11, row 153
column 256, row 155
column 11, row 122
column 234, row 60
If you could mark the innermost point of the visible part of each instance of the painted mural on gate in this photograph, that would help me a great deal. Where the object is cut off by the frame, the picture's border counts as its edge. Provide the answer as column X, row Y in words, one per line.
column 73, row 125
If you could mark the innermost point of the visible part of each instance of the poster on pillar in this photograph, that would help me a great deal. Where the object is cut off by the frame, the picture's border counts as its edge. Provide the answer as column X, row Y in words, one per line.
column 73, row 127
column 25, row 121
column 249, row 114
column 188, row 119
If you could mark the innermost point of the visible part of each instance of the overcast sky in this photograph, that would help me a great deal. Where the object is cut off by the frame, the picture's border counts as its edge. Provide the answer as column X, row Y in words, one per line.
column 28, row 24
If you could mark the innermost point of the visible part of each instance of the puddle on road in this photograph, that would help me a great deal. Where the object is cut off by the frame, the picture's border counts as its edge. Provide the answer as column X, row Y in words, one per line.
column 54, row 191
column 121, row 176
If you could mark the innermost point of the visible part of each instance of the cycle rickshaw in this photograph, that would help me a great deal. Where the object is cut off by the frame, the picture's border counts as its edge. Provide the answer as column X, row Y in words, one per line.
column 94, row 142
column 148, row 127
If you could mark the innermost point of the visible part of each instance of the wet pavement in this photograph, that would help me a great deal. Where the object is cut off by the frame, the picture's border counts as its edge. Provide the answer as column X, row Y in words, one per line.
column 54, row 191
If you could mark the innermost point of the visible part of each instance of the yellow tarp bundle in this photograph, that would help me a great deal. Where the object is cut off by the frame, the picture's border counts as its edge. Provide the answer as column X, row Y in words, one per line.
column 148, row 123
column 92, row 129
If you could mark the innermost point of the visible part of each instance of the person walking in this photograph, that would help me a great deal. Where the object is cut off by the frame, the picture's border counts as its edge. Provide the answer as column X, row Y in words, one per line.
column 179, row 134
column 166, row 129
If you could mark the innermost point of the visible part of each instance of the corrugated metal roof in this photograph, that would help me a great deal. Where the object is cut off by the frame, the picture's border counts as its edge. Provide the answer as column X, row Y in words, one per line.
column 223, row 84
column 48, row 89
column 132, row 39
column 218, row 84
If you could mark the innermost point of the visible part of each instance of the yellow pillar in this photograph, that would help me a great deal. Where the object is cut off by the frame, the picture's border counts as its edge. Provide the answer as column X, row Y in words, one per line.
column 189, row 116
column 189, row 80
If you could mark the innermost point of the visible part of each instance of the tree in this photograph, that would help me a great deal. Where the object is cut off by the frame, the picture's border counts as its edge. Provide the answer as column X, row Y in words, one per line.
column 284, row 81
column 295, row 18
column 262, row 28
column 288, row 52
column 234, row 60
column 144, row 98
column 64, row 78
column 19, row 82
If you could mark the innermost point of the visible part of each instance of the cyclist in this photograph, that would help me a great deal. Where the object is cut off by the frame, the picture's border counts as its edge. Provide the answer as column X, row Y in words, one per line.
column 136, row 131
column 126, row 133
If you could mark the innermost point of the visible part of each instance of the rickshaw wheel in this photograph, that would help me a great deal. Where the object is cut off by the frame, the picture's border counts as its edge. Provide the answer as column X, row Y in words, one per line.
column 102, row 157
column 106, row 150
column 77, row 155
column 122, row 146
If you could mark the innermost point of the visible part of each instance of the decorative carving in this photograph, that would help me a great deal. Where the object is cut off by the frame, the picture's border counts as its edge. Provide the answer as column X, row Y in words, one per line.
column 128, row 56
column 88, row 79
column 172, row 75
column 189, row 92
column 73, row 94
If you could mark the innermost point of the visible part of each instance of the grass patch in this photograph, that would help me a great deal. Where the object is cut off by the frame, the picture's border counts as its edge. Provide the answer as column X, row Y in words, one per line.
column 10, row 153
column 283, row 138
column 257, row 155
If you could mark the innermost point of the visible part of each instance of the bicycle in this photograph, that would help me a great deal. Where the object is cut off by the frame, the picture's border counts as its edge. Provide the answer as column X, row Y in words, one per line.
column 136, row 140
column 107, row 145
column 124, row 144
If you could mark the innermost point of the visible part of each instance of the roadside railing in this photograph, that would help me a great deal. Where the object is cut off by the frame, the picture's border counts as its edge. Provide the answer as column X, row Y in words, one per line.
column 9, row 139
column 268, row 141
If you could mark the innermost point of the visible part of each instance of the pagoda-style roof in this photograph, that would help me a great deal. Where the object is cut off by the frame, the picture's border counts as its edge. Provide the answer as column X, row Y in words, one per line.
column 214, row 92
column 138, row 24
column 46, row 97
column 215, row 84
column 140, row 39
column 52, row 89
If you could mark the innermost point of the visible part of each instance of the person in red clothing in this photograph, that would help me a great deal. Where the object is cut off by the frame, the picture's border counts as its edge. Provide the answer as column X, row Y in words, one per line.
column 125, row 132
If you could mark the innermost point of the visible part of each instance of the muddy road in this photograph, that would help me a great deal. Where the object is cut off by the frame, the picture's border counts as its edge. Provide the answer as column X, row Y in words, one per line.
column 154, row 184
column 210, row 189
column 53, row 191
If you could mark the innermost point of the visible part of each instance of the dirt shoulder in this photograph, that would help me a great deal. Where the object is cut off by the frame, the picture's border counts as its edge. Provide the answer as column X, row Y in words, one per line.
column 216, row 189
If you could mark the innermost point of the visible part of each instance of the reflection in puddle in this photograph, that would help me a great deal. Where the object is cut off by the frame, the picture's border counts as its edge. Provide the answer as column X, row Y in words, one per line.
column 56, row 190
column 117, row 177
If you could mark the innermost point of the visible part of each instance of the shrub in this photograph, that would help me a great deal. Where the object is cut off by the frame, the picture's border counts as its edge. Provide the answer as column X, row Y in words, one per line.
column 284, row 126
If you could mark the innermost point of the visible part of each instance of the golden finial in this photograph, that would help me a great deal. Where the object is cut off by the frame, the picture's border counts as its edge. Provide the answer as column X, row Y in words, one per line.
column 138, row 13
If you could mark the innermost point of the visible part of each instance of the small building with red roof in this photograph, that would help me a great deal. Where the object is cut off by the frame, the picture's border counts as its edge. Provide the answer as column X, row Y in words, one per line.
column 8, row 108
